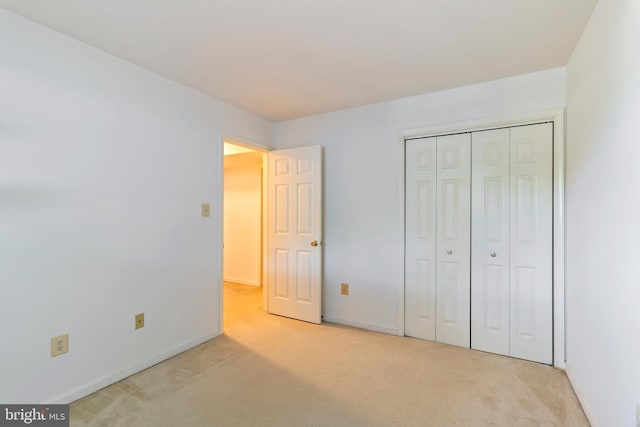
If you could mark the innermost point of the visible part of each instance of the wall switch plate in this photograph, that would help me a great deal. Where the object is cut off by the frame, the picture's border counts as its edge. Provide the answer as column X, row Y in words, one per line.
column 139, row 320
column 59, row 345
column 206, row 210
column 344, row 288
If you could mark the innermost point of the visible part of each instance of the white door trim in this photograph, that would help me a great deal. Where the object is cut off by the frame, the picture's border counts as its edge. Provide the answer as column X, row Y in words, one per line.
column 222, row 137
column 557, row 116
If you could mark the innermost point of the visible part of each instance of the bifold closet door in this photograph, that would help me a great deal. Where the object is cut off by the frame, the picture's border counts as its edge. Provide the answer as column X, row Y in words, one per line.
column 453, row 249
column 490, row 242
column 512, row 244
column 531, row 235
column 437, row 239
column 420, row 239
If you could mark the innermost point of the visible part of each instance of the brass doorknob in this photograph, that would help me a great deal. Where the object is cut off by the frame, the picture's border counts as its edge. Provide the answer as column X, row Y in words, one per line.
column 314, row 243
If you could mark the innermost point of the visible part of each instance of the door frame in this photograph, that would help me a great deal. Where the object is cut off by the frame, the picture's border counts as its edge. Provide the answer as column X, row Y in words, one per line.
column 557, row 116
column 222, row 137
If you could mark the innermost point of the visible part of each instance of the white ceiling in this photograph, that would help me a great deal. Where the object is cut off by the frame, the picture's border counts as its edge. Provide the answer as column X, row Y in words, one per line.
column 289, row 58
column 231, row 149
column 253, row 159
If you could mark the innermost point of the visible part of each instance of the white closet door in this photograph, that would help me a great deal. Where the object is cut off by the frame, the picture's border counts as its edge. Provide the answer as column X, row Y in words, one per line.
column 453, row 240
column 531, row 242
column 420, row 239
column 490, row 242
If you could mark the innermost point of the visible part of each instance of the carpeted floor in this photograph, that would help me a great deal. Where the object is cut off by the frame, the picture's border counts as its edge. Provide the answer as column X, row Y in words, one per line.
column 272, row 371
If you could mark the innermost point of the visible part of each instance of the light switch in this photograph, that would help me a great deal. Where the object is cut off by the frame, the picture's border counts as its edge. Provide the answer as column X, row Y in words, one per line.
column 206, row 210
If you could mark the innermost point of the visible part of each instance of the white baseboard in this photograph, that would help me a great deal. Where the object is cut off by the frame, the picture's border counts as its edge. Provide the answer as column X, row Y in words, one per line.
column 242, row 281
column 102, row 382
column 390, row 331
column 578, row 391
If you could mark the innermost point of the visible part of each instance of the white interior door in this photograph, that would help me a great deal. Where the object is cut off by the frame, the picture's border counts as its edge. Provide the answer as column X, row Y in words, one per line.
column 295, row 233
column 453, row 252
column 490, row 241
column 512, row 242
column 420, row 239
column 493, row 289
column 531, row 223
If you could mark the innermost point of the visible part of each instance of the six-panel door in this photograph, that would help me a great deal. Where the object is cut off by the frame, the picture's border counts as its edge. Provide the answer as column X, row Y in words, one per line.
column 295, row 233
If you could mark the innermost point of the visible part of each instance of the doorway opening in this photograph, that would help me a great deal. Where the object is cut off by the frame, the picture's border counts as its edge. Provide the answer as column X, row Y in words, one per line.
column 284, row 260
column 243, row 228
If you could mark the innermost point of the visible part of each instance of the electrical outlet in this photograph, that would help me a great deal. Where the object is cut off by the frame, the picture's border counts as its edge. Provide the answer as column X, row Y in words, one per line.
column 59, row 345
column 206, row 210
column 344, row 288
column 139, row 320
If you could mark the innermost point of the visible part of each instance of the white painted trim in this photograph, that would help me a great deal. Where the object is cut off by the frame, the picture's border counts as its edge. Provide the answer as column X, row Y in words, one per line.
column 578, row 392
column 107, row 380
column 557, row 117
column 265, row 232
column 236, row 140
column 368, row 327
column 220, row 204
column 258, row 147
column 559, row 248
column 401, row 232
column 476, row 125
column 255, row 283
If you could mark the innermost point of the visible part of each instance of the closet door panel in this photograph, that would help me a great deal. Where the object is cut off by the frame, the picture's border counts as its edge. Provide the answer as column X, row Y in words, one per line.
column 490, row 241
column 531, row 220
column 420, row 239
column 453, row 239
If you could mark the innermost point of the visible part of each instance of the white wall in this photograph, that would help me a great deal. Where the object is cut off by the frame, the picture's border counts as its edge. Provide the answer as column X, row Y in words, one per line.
column 103, row 167
column 603, row 214
column 243, row 220
column 362, row 160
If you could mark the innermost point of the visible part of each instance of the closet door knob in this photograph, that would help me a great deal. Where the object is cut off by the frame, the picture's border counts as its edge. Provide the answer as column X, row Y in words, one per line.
column 449, row 252
column 493, row 254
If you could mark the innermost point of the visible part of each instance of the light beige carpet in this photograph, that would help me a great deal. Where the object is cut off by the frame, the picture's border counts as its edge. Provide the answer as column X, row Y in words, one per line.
column 272, row 371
